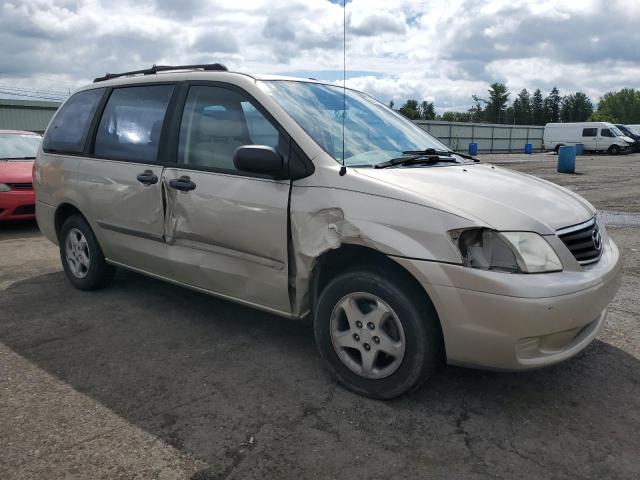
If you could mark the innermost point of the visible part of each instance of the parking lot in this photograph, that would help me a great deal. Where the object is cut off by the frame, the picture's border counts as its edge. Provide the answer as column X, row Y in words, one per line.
column 148, row 380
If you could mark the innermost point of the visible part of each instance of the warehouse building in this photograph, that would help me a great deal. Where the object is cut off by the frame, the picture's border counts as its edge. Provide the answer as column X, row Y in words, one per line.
column 26, row 114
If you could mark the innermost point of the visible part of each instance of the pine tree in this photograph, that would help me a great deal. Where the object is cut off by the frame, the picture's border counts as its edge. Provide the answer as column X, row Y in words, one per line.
column 576, row 107
column 522, row 114
column 497, row 104
column 552, row 105
column 537, row 108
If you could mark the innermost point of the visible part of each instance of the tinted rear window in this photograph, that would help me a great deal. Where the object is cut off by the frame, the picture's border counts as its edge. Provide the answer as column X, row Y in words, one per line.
column 590, row 132
column 131, row 123
column 68, row 130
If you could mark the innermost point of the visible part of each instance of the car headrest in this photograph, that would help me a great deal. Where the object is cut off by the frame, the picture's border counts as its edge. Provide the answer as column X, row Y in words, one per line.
column 221, row 124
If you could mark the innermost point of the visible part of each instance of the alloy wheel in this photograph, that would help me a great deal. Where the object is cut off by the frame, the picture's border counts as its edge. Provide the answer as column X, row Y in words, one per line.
column 367, row 335
column 77, row 253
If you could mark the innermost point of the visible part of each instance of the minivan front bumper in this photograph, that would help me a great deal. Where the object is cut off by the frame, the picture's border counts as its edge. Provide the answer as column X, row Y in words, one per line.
column 518, row 321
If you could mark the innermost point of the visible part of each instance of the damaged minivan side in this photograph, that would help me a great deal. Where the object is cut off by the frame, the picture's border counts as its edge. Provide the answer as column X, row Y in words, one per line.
column 402, row 253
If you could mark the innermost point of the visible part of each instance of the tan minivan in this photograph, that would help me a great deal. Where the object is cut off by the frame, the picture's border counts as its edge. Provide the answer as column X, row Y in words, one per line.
column 403, row 253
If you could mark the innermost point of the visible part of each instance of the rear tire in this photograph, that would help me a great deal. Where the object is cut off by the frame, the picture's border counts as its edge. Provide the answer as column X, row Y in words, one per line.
column 82, row 257
column 378, row 333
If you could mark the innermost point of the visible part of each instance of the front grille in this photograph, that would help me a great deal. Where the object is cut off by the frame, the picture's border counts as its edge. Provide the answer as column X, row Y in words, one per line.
column 584, row 241
column 21, row 186
column 25, row 210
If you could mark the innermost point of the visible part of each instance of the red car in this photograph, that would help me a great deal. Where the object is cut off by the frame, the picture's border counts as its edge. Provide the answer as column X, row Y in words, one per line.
column 17, row 153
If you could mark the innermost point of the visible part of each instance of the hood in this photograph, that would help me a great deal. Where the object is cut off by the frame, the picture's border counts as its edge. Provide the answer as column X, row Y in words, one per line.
column 16, row 171
column 501, row 198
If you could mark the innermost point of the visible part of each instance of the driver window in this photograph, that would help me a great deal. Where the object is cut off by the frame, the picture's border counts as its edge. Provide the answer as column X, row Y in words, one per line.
column 605, row 132
column 216, row 121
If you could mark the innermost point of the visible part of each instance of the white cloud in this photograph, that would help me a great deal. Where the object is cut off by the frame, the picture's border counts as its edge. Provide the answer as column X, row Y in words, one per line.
column 440, row 50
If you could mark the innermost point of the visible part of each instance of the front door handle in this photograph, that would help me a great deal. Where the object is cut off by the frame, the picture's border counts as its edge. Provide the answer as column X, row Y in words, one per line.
column 147, row 178
column 183, row 184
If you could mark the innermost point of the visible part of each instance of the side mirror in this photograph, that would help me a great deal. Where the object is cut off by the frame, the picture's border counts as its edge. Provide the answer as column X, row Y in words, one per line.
column 259, row 159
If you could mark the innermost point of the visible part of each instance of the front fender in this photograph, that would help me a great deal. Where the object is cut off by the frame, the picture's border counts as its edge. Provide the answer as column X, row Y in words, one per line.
column 325, row 218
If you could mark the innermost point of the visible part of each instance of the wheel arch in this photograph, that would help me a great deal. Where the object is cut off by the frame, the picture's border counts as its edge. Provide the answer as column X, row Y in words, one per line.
column 349, row 256
column 64, row 211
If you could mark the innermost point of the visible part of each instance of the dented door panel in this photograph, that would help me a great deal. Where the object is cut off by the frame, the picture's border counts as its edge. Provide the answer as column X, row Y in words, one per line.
column 229, row 236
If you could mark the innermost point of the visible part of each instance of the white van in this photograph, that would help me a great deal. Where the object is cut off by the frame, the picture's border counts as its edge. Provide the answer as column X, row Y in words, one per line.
column 596, row 136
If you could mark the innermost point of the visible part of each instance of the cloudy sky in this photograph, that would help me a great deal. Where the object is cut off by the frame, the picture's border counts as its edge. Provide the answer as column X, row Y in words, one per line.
column 443, row 51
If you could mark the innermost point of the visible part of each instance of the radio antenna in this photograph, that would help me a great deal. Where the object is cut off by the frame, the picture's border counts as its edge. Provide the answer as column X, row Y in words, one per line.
column 343, row 169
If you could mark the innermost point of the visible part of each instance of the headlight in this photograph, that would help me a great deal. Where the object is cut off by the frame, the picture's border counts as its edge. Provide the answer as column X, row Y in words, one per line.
column 516, row 252
column 4, row 187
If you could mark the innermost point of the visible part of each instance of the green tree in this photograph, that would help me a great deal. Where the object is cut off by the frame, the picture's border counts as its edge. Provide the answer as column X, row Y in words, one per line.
column 623, row 105
column 497, row 103
column 457, row 117
column 522, row 114
column 552, row 105
column 537, row 108
column 576, row 107
column 427, row 110
column 602, row 117
column 410, row 110
column 477, row 113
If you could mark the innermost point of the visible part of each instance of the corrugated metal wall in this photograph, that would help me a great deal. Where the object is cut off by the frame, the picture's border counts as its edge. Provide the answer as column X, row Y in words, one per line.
column 26, row 114
column 489, row 137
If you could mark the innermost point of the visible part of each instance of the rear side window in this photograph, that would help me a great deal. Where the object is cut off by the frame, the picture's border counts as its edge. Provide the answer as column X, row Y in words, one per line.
column 590, row 132
column 68, row 130
column 605, row 132
column 131, row 123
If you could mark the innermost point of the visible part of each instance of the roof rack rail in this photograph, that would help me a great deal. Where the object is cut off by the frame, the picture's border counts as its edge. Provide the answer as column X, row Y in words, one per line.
column 164, row 68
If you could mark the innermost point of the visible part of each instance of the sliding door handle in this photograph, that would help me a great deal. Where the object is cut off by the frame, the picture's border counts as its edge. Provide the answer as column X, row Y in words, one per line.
column 184, row 184
column 147, row 178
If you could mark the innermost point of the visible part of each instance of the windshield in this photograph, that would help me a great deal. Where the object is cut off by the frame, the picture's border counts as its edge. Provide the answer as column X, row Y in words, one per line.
column 631, row 130
column 616, row 131
column 373, row 133
column 18, row 146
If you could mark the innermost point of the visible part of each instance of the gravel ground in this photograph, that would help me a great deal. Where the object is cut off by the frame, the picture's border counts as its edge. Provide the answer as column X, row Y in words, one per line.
column 148, row 380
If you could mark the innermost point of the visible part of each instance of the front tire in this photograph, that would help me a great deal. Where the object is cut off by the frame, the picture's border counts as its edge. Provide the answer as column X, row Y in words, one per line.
column 614, row 149
column 82, row 257
column 378, row 333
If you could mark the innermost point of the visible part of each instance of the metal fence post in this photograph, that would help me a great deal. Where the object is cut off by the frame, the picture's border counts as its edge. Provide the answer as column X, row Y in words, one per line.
column 493, row 134
column 510, row 136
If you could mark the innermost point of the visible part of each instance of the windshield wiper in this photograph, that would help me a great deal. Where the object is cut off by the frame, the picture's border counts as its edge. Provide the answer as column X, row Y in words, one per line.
column 432, row 151
column 18, row 158
column 417, row 160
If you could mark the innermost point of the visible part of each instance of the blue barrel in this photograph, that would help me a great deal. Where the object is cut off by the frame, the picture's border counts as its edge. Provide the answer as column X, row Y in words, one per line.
column 567, row 159
column 579, row 148
column 473, row 149
column 528, row 148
